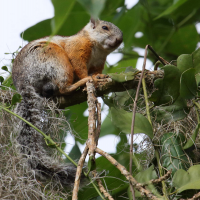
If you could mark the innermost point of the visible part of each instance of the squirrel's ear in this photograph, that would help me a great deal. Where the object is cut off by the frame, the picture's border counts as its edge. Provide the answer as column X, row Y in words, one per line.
column 94, row 22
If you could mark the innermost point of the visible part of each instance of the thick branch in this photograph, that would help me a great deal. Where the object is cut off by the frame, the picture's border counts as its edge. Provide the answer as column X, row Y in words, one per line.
column 78, row 173
column 105, row 86
column 92, row 103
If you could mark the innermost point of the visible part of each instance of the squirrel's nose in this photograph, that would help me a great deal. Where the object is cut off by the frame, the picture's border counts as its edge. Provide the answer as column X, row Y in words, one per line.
column 119, row 40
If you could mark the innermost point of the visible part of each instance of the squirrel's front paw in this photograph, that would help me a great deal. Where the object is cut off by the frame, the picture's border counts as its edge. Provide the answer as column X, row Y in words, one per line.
column 101, row 76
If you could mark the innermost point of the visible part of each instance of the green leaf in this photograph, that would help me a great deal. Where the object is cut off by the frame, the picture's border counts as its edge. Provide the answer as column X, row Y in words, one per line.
column 178, row 45
column 78, row 122
column 94, row 8
column 121, row 66
column 1, row 79
column 8, row 83
column 74, row 154
column 192, row 139
column 172, row 155
column 39, row 30
column 16, row 99
column 144, row 177
column 196, row 60
column 188, row 87
column 130, row 17
column 184, row 62
column 123, row 76
column 108, row 128
column 183, row 180
column 172, row 8
column 77, row 16
column 168, row 87
column 5, row 68
column 110, row 8
column 177, row 111
column 62, row 10
column 123, row 144
column 91, row 164
column 123, row 121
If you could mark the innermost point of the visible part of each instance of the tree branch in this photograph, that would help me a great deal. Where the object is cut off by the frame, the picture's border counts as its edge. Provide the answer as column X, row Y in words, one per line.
column 128, row 176
column 107, row 85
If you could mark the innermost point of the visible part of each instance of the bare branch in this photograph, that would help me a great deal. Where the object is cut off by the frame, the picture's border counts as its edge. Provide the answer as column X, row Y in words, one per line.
column 162, row 178
column 196, row 196
column 92, row 103
column 128, row 176
column 101, row 187
column 107, row 85
column 78, row 173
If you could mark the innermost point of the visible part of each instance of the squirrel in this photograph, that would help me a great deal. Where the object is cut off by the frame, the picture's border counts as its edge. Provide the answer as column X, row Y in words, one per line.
column 54, row 67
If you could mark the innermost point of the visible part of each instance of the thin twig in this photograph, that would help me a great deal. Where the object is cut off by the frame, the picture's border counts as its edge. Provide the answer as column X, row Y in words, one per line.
column 156, row 55
column 78, row 173
column 128, row 176
column 196, row 196
column 101, row 187
column 162, row 178
column 133, row 118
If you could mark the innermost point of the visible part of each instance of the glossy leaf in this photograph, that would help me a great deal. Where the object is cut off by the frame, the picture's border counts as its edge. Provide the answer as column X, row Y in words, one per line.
column 39, row 30
column 144, row 177
column 184, row 62
column 168, row 87
column 172, row 8
column 123, row 121
column 77, row 16
column 188, row 86
column 94, row 8
column 62, row 10
column 196, row 60
column 108, row 127
column 111, row 7
column 172, row 155
column 187, row 180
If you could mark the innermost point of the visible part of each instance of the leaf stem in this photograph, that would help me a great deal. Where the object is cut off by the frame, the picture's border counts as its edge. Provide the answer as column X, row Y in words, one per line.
column 146, row 100
column 161, row 174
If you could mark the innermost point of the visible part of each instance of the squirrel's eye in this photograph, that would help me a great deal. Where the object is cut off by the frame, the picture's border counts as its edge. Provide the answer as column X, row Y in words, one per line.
column 105, row 28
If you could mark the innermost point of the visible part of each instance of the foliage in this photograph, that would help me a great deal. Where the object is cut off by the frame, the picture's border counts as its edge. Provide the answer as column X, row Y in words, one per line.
column 169, row 27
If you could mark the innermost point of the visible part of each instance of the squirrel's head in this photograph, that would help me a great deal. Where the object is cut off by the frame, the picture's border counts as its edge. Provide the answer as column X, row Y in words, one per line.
column 105, row 34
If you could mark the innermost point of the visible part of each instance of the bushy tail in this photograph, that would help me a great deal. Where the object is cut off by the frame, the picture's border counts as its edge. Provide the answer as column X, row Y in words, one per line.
column 32, row 144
